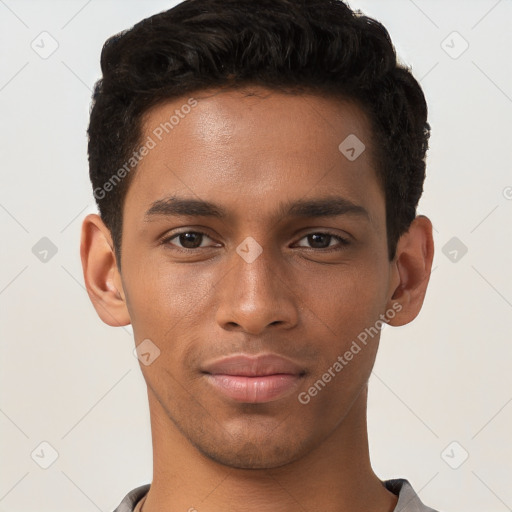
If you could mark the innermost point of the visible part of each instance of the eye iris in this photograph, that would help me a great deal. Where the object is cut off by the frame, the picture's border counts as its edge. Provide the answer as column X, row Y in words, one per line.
column 190, row 238
column 318, row 237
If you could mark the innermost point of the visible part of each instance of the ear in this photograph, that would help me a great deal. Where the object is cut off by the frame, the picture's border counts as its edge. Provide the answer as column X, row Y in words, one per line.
column 101, row 275
column 413, row 264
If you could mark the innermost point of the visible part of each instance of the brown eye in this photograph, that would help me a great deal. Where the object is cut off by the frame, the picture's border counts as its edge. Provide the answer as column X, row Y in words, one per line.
column 190, row 240
column 319, row 240
column 323, row 240
column 187, row 240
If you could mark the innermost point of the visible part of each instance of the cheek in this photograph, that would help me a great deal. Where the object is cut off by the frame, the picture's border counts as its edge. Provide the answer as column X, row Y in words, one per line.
column 165, row 299
column 347, row 298
column 166, row 306
column 344, row 311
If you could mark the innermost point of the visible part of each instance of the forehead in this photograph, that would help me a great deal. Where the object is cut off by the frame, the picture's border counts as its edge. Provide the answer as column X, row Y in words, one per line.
column 219, row 117
column 254, row 147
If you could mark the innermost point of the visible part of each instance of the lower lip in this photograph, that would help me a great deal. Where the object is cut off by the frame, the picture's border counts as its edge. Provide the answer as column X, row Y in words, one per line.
column 255, row 390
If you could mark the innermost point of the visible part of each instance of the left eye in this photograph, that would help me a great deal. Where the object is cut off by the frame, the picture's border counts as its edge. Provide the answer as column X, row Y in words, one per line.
column 323, row 240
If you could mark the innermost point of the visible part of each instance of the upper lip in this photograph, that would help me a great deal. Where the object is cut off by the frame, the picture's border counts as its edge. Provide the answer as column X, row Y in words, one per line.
column 253, row 366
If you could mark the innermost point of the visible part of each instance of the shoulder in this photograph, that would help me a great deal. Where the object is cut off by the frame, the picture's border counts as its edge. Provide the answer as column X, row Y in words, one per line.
column 132, row 498
column 408, row 500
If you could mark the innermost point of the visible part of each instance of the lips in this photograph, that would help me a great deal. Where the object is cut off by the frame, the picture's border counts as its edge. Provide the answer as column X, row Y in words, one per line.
column 254, row 379
column 253, row 366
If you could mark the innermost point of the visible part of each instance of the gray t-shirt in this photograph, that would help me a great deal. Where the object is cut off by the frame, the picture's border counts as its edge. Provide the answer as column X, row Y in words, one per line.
column 408, row 500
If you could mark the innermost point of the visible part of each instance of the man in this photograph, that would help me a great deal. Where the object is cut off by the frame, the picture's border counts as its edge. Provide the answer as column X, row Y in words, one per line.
column 257, row 167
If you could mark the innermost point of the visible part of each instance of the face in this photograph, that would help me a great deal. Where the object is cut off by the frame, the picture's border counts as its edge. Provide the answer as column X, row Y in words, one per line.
column 248, row 232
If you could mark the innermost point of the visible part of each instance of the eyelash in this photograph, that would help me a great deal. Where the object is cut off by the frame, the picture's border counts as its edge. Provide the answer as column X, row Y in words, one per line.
column 343, row 242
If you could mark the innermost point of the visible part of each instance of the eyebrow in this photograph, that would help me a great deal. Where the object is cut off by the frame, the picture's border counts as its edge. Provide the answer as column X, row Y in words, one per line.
column 331, row 206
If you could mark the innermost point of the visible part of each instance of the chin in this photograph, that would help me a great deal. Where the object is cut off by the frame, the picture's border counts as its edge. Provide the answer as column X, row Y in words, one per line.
column 249, row 456
column 265, row 453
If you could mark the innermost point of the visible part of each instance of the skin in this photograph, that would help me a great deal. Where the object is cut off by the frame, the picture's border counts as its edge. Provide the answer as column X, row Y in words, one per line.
column 297, row 299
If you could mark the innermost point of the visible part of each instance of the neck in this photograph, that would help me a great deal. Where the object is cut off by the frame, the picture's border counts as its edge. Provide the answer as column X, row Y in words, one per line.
column 334, row 477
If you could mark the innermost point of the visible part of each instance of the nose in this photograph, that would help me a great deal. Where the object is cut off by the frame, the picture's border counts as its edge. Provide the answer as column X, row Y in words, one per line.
column 254, row 296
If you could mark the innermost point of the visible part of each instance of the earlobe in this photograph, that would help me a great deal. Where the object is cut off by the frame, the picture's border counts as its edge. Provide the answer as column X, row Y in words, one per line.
column 414, row 256
column 101, row 275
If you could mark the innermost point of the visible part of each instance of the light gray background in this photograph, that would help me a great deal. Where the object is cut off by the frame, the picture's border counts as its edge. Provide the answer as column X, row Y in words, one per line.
column 71, row 381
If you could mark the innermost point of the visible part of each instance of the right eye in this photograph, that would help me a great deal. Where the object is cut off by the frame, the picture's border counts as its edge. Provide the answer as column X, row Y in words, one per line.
column 188, row 240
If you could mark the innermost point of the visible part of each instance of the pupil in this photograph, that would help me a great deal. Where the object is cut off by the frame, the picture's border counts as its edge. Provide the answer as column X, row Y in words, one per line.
column 312, row 240
column 188, row 238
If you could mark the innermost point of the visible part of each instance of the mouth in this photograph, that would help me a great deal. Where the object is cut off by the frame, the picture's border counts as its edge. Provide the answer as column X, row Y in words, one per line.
column 254, row 379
